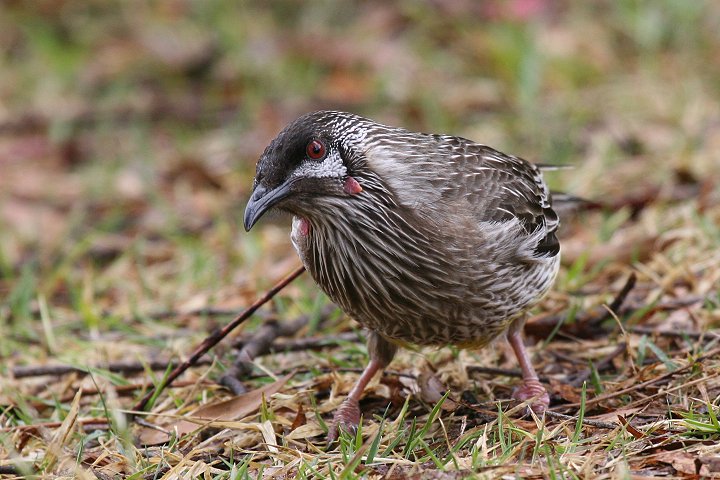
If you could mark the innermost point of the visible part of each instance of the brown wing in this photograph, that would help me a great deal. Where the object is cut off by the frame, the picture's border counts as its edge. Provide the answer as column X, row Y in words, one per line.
column 502, row 187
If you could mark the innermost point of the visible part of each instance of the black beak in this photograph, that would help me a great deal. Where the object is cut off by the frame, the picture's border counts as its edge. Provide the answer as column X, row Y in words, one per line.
column 262, row 200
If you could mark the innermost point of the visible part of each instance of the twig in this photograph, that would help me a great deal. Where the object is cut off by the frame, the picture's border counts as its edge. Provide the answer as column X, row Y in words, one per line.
column 578, row 379
column 156, row 315
column 503, row 372
column 566, row 357
column 217, row 336
column 587, row 323
column 649, row 330
column 619, row 299
column 118, row 367
column 285, row 329
column 585, row 421
column 260, row 343
column 129, row 389
column 592, row 321
column 255, row 346
column 159, row 365
column 301, row 371
column 624, row 391
column 313, row 343
column 203, row 311
column 121, row 390
column 34, row 426
column 650, row 398
column 638, row 201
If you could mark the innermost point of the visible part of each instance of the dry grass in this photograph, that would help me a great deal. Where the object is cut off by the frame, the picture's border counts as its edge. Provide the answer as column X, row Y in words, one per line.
column 128, row 134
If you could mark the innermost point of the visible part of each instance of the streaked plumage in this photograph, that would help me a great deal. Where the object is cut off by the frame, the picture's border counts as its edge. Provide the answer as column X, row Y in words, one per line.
column 448, row 241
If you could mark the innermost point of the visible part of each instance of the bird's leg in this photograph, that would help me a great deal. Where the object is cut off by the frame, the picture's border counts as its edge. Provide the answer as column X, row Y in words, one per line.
column 347, row 416
column 530, row 386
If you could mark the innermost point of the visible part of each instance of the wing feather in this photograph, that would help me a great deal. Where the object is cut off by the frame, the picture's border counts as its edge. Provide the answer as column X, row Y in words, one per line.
column 502, row 187
column 436, row 172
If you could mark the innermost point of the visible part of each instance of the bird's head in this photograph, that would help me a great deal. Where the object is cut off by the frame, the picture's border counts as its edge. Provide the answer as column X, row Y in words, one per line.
column 310, row 160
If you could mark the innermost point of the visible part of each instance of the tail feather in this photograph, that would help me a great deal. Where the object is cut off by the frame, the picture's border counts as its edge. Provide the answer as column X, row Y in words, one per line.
column 566, row 203
column 551, row 167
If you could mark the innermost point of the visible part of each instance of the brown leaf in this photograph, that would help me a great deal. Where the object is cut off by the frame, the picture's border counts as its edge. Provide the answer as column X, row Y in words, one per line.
column 565, row 391
column 692, row 463
column 432, row 390
column 308, row 430
column 232, row 409
column 632, row 430
column 300, row 418
column 63, row 435
column 712, row 462
column 611, row 416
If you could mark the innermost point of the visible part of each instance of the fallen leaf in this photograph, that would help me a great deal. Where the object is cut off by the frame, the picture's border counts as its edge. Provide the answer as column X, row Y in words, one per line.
column 432, row 390
column 632, row 430
column 300, row 418
column 305, row 431
column 612, row 416
column 712, row 462
column 63, row 434
column 691, row 463
column 268, row 434
column 565, row 391
column 234, row 408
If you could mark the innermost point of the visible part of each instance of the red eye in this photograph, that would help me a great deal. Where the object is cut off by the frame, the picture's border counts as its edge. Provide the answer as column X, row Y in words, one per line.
column 315, row 149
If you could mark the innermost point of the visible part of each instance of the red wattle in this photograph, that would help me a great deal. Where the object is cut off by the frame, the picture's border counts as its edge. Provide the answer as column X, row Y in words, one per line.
column 304, row 227
column 351, row 186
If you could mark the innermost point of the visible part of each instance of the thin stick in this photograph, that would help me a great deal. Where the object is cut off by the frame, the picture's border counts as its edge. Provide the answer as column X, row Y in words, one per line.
column 96, row 421
column 599, row 366
column 619, row 300
column 258, row 344
column 117, row 367
column 325, row 370
column 314, row 343
column 652, row 397
column 266, row 345
column 644, row 330
column 639, row 386
column 586, row 421
column 586, row 321
column 505, row 372
column 217, row 336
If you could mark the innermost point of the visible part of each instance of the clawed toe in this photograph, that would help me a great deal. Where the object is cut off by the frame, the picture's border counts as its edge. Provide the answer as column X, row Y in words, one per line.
column 530, row 389
column 347, row 417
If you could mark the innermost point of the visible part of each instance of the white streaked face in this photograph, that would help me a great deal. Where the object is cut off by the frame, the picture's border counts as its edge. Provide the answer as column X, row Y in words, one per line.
column 321, row 162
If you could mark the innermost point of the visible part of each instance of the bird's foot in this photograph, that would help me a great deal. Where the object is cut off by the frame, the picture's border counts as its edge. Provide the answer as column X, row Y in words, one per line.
column 531, row 388
column 347, row 417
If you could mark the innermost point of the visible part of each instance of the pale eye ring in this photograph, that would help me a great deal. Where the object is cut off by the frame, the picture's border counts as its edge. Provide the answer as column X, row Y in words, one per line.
column 315, row 149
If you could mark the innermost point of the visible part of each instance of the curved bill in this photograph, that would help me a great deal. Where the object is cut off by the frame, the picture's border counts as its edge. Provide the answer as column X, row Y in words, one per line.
column 262, row 200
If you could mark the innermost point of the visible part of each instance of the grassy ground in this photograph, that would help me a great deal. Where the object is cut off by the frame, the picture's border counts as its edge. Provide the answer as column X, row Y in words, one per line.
column 128, row 136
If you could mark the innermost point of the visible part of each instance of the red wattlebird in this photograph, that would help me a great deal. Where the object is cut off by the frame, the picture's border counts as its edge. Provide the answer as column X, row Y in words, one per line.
column 423, row 239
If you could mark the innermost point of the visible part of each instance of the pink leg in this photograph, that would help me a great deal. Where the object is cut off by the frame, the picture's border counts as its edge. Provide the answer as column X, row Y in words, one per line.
column 530, row 386
column 347, row 416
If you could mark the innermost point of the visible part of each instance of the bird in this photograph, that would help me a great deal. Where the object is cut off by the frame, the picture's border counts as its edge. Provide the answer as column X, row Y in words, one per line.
column 424, row 239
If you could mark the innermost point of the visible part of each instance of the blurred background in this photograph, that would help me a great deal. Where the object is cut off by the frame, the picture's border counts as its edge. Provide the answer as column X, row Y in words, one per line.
column 129, row 130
